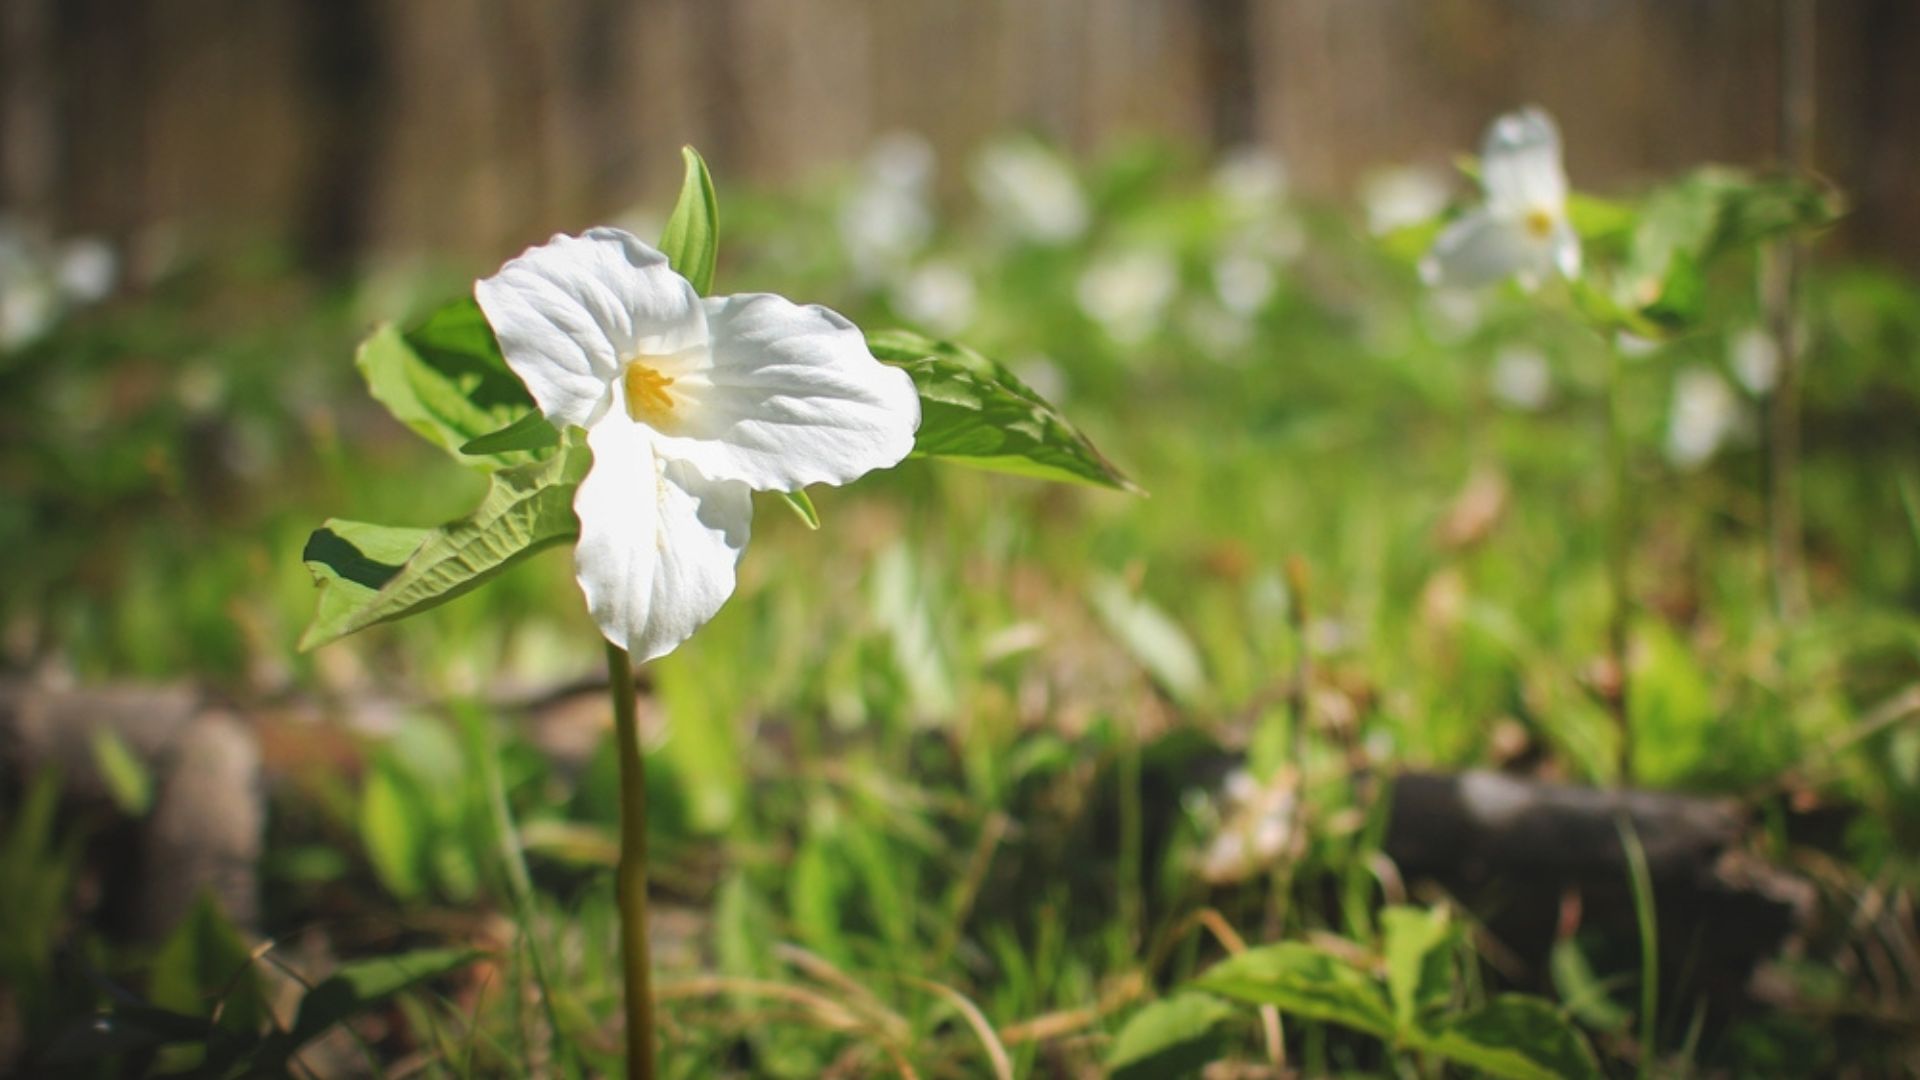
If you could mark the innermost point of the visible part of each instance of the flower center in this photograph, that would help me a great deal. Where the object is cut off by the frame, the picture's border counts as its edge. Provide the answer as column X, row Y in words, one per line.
column 646, row 388
column 1540, row 223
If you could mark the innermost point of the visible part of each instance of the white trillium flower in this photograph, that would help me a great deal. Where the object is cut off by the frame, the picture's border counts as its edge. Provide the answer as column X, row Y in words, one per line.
column 1705, row 415
column 1522, row 378
column 1522, row 230
column 1031, row 192
column 1402, row 195
column 1127, row 293
column 689, row 405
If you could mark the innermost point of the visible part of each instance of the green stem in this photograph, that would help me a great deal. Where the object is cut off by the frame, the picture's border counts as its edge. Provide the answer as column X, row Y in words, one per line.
column 630, row 879
column 1619, row 554
column 1641, row 879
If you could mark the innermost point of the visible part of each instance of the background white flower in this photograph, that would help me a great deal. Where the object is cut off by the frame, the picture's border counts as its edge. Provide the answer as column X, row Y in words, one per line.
column 1521, row 230
column 1755, row 359
column 1127, row 293
column 1402, row 195
column 888, row 215
column 1522, row 378
column 1031, row 192
column 689, row 405
column 939, row 295
column 1705, row 415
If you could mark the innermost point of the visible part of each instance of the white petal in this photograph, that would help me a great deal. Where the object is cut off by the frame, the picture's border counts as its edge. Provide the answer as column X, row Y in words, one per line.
column 1520, row 164
column 1566, row 250
column 658, row 542
column 793, row 398
column 569, row 312
column 1479, row 249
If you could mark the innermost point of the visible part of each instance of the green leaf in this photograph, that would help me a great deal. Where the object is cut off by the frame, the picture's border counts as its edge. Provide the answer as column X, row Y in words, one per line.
column 1419, row 963
column 691, row 240
column 1154, row 639
column 393, row 829
column 203, row 963
column 1304, row 981
column 446, row 381
column 128, row 780
column 364, row 580
column 1171, row 1037
column 975, row 412
column 1517, row 1038
column 530, row 432
column 800, row 504
column 1581, row 991
column 361, row 985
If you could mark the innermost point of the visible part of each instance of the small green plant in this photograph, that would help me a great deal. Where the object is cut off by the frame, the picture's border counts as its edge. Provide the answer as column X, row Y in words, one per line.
column 615, row 404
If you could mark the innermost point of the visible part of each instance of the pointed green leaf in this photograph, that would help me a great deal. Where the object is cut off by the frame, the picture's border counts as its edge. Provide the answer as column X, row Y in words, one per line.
column 1515, row 1037
column 128, row 780
column 975, row 412
column 1169, row 1038
column 1419, row 963
column 800, row 504
column 1304, row 981
column 691, row 240
column 446, row 381
column 365, row 580
column 360, row 985
column 530, row 432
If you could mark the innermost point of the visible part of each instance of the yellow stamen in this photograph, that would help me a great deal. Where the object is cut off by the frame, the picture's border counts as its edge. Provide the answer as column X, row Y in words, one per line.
column 647, row 397
column 1540, row 223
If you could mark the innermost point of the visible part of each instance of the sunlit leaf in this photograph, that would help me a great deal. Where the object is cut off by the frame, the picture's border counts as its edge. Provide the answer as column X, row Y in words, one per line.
column 394, row 825
column 1304, row 981
column 975, row 412
column 1154, row 639
column 1419, row 961
column 128, row 780
column 530, row 432
column 1517, row 1038
column 691, row 240
column 446, row 381
column 802, row 506
column 365, row 580
column 1169, row 1038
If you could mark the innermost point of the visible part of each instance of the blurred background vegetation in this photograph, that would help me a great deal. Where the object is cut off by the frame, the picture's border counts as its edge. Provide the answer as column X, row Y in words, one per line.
column 979, row 739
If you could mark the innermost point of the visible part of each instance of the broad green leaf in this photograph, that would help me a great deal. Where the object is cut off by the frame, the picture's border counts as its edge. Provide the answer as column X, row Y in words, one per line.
column 526, row 508
column 1419, row 960
column 530, row 432
column 446, row 381
column 1171, row 1037
column 128, row 780
column 1515, row 1037
column 1581, row 991
column 691, row 240
column 800, row 504
column 360, row 985
column 975, row 412
column 394, row 826
column 1304, row 981
column 1155, row 640
column 203, row 963
column 1597, row 220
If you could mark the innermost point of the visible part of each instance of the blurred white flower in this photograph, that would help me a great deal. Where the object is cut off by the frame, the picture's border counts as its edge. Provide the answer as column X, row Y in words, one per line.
column 1030, row 191
column 938, row 295
column 1521, row 231
column 1633, row 346
column 1128, row 293
column 888, row 216
column 1755, row 359
column 87, row 270
column 1704, row 415
column 1251, row 180
column 1522, row 379
column 1401, row 196
column 1244, row 281
column 28, row 308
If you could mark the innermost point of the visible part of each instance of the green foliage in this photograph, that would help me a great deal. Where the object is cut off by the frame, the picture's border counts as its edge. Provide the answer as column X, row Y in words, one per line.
column 691, row 240
column 359, row 986
column 975, row 412
column 526, row 508
column 448, row 383
column 1304, row 981
column 1172, row 1037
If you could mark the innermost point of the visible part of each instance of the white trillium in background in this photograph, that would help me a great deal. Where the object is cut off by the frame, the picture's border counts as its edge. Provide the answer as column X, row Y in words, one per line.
column 1521, row 231
column 1401, row 196
column 939, row 295
column 689, row 405
column 1522, row 378
column 1128, row 293
column 888, row 216
column 1031, row 191
column 1251, row 180
column 1755, row 359
column 1705, row 415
